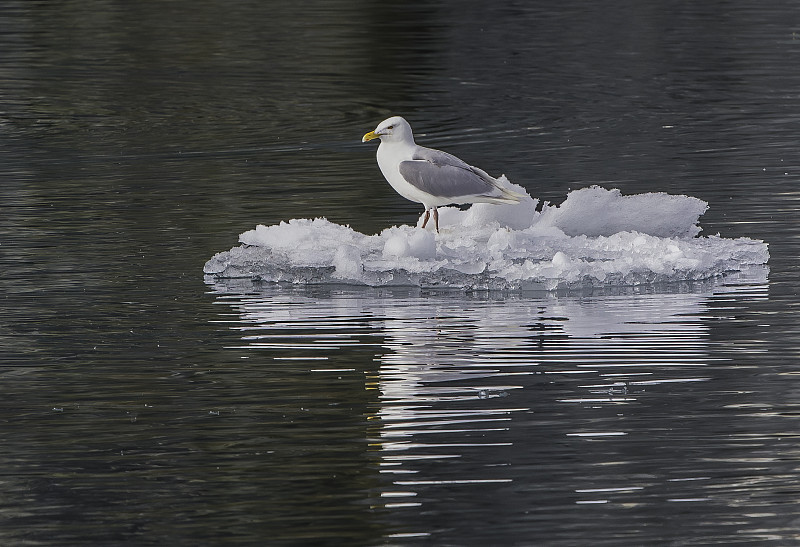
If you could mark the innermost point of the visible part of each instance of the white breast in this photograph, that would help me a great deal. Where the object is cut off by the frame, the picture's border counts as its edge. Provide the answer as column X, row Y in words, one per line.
column 389, row 157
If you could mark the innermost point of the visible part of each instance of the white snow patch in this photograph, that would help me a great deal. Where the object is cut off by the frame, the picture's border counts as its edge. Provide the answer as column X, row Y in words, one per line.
column 596, row 237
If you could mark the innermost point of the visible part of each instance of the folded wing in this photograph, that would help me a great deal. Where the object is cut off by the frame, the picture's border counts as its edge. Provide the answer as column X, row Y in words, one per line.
column 444, row 175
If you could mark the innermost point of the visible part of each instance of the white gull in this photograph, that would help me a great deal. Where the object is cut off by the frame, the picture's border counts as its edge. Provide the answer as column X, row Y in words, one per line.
column 431, row 177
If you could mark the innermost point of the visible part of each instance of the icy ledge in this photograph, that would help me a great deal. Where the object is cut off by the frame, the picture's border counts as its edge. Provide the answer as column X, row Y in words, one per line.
column 597, row 237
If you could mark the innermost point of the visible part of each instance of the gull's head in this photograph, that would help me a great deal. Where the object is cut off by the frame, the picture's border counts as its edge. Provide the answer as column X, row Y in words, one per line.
column 394, row 129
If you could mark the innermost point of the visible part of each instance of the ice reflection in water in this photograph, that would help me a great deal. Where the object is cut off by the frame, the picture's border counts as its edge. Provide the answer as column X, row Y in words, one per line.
column 445, row 382
column 464, row 384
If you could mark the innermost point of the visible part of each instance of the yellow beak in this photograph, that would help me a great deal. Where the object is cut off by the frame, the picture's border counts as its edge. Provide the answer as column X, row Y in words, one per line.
column 369, row 136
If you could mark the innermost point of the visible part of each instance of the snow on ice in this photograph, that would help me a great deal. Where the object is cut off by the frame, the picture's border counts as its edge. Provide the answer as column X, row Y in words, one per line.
column 596, row 237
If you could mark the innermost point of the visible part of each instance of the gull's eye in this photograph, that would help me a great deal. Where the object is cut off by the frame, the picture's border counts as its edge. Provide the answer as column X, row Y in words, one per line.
column 390, row 127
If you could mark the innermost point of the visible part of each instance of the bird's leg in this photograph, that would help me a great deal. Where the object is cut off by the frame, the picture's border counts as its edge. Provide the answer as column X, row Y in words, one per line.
column 427, row 215
column 436, row 219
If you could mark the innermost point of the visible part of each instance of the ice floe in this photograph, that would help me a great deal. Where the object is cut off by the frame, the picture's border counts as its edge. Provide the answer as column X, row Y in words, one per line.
column 596, row 237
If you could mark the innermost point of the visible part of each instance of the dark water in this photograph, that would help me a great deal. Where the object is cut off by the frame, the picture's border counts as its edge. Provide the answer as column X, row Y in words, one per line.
column 143, row 406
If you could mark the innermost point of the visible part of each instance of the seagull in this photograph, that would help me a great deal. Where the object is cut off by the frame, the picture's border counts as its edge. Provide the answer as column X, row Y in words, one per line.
column 431, row 177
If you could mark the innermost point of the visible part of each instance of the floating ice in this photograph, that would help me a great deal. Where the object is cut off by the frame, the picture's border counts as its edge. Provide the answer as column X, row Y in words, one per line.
column 597, row 237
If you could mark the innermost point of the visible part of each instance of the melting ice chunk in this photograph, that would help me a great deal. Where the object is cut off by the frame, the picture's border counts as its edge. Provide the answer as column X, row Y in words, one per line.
column 596, row 237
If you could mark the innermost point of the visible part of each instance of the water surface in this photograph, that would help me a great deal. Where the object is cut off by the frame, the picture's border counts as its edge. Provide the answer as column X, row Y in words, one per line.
column 142, row 405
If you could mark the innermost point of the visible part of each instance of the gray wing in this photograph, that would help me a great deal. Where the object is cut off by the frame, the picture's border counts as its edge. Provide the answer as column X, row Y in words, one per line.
column 444, row 175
